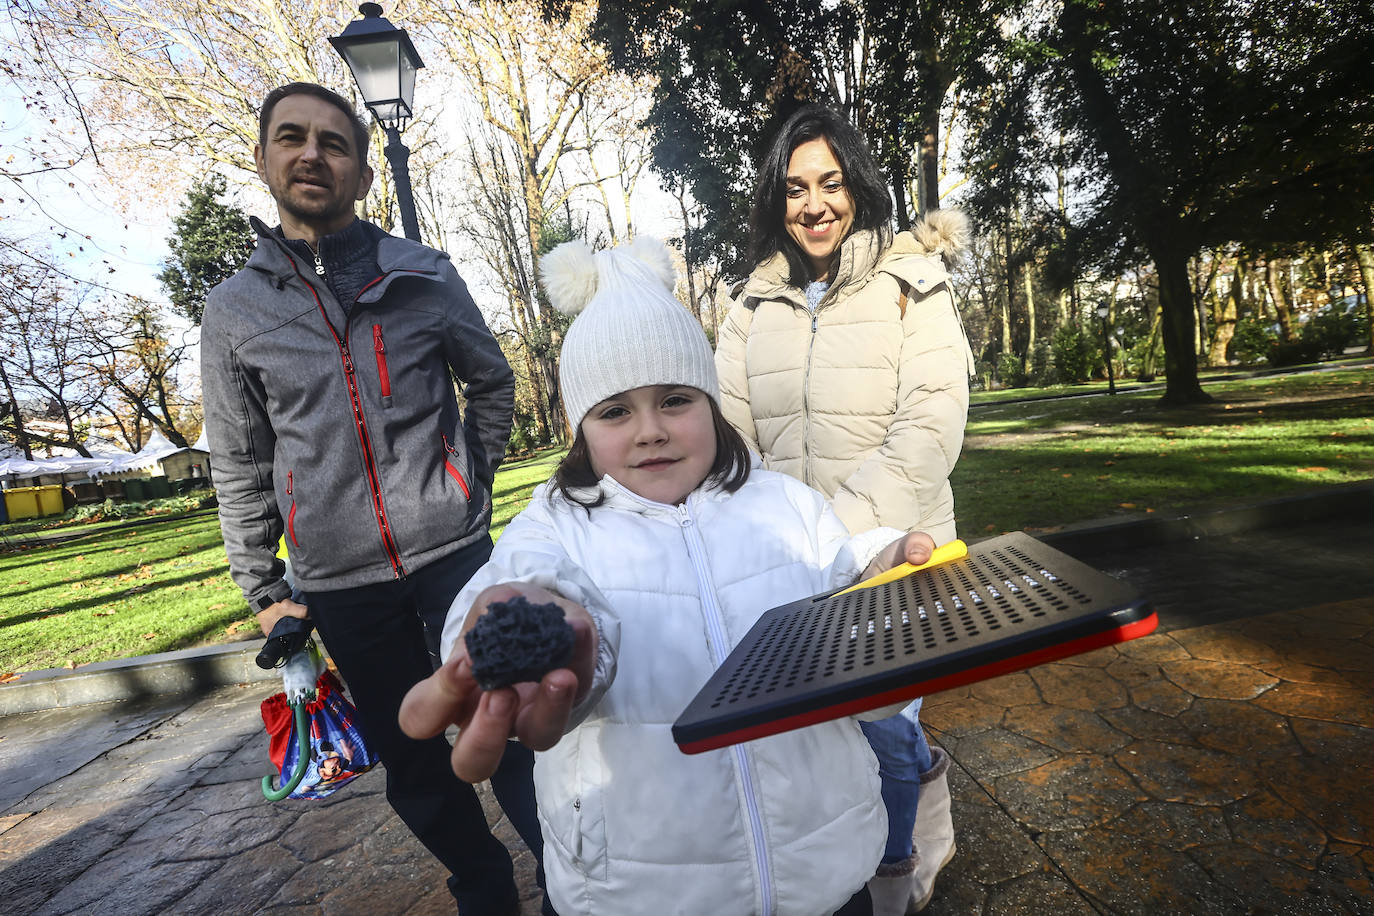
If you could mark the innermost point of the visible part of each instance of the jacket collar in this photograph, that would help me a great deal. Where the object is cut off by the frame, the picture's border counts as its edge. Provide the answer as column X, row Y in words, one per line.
column 859, row 254
column 273, row 257
column 618, row 497
column 862, row 257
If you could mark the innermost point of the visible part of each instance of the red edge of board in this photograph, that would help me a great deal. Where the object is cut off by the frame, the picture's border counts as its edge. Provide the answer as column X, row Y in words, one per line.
column 1125, row 633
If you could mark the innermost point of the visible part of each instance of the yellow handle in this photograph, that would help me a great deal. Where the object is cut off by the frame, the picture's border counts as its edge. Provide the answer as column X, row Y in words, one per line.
column 954, row 550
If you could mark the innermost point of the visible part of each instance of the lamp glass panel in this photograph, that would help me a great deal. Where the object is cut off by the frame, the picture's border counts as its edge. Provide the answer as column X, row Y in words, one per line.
column 376, row 68
column 408, row 83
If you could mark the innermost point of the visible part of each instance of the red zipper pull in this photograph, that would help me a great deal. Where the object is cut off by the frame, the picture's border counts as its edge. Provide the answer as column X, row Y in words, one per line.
column 377, row 339
column 288, row 483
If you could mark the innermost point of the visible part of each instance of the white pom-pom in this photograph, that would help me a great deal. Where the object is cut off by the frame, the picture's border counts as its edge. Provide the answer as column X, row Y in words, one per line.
column 569, row 276
column 655, row 255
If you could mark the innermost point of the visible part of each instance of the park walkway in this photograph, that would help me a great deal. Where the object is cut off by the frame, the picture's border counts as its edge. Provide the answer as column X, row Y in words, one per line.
column 1220, row 766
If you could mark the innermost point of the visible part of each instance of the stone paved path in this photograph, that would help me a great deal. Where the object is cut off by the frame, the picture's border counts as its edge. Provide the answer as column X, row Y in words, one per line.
column 1212, row 769
column 1219, row 766
column 156, row 807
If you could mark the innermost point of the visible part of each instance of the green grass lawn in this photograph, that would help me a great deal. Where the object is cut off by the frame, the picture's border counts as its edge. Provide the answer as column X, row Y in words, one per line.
column 150, row 588
column 1043, row 464
column 514, row 482
column 1036, row 465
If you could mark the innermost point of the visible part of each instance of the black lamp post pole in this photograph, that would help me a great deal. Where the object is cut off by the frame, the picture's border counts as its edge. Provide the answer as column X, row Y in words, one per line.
column 398, row 155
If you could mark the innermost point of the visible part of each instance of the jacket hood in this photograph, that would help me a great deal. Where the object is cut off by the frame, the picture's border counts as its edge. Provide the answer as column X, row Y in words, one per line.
column 942, row 233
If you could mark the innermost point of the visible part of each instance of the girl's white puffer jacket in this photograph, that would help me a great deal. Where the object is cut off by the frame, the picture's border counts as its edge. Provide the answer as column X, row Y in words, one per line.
column 791, row 824
column 865, row 400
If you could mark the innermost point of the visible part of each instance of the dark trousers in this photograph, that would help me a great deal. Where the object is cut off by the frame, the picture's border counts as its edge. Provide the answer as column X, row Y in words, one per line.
column 384, row 639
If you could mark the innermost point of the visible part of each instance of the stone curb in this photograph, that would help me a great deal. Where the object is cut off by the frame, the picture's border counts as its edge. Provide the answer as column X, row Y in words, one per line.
column 190, row 671
column 1340, row 501
column 196, row 671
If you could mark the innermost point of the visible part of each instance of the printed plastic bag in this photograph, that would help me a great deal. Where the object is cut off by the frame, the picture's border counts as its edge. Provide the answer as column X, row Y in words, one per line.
column 337, row 751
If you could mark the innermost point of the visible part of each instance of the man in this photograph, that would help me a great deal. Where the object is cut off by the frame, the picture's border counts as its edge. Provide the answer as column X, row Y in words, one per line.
column 328, row 368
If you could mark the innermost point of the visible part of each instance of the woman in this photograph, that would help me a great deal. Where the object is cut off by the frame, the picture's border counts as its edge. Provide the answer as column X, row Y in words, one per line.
column 844, row 364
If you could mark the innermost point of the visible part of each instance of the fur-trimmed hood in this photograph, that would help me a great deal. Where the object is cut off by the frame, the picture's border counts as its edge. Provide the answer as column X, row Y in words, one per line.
column 942, row 232
column 942, row 235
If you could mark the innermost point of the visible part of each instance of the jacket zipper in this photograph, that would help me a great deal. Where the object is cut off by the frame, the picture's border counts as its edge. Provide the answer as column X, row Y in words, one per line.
column 715, row 628
column 374, row 481
column 291, row 516
column 380, row 349
column 806, row 405
column 452, row 469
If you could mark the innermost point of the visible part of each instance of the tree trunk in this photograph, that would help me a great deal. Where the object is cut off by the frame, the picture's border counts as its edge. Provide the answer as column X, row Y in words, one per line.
column 1365, row 255
column 1277, row 280
column 1225, row 314
column 1030, row 312
column 1180, row 357
column 1148, row 364
column 21, row 437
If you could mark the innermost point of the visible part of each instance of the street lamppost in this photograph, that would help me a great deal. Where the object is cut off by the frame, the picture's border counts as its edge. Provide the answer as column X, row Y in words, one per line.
column 1103, row 311
column 383, row 62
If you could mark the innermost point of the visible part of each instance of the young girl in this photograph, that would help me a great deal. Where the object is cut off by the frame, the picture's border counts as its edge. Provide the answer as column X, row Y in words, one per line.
column 663, row 546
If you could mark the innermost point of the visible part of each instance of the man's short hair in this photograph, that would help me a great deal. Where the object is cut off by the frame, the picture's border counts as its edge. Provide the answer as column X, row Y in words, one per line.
column 333, row 98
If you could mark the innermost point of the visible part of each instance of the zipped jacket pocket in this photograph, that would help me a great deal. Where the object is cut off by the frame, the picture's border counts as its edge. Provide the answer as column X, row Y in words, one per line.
column 291, row 515
column 450, row 454
column 383, row 376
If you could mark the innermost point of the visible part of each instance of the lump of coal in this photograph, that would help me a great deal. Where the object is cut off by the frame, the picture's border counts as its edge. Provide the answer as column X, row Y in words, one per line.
column 517, row 641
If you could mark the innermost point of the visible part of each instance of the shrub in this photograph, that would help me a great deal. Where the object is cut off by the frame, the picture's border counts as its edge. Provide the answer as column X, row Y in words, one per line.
column 1252, row 341
column 1074, row 354
column 1042, row 371
column 109, row 509
column 1326, row 335
column 1011, row 371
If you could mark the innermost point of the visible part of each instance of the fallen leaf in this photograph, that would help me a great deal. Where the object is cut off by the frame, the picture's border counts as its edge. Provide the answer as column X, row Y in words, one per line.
column 150, row 636
column 1065, row 475
column 103, row 614
column 1127, row 505
column 9, row 676
column 990, row 528
column 216, row 607
column 1149, row 510
column 1104, row 476
column 70, row 665
column 1316, row 470
column 1108, row 464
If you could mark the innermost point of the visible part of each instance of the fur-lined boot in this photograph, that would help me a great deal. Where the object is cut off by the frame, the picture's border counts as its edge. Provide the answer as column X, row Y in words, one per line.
column 905, row 887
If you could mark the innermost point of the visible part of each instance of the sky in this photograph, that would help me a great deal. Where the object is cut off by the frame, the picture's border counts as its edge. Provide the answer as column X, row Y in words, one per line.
column 49, row 213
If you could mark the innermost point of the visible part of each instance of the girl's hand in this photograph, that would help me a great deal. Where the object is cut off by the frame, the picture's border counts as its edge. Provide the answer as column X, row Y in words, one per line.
column 914, row 547
column 535, row 713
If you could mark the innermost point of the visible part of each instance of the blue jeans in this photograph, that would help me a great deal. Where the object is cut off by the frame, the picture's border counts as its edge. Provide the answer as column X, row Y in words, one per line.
column 903, row 755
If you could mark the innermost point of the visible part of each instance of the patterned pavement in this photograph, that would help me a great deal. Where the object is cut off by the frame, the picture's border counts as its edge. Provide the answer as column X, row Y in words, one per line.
column 1219, row 766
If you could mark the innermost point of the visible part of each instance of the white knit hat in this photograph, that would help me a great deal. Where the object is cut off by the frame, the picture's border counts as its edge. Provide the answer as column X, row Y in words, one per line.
column 629, row 330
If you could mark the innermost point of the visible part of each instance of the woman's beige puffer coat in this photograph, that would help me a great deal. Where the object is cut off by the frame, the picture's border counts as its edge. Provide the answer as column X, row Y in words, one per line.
column 863, row 401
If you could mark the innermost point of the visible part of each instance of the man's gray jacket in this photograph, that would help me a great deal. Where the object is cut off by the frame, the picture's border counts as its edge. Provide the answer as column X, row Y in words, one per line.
column 341, row 427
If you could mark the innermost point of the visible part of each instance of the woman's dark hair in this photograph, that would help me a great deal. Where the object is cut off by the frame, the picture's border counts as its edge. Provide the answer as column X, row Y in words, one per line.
column 729, row 471
column 862, row 177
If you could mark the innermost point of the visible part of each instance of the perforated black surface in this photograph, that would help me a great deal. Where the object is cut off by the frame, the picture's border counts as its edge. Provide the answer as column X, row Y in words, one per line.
column 1010, row 596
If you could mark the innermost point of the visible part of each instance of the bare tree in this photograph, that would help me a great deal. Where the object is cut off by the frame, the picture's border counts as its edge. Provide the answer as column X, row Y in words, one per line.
column 42, row 354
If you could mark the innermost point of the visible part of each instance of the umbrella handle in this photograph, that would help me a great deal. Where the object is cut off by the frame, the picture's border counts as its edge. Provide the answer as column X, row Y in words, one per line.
column 302, row 749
